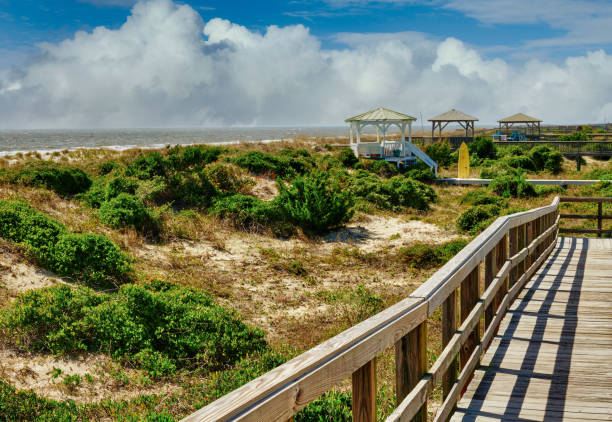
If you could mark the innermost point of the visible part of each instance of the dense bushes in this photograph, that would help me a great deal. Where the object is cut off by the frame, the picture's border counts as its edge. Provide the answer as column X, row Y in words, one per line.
column 227, row 179
column 347, row 157
column 426, row 256
column 288, row 164
column 545, row 158
column 512, row 184
column 483, row 147
column 396, row 192
column 90, row 258
column 248, row 212
column 481, row 197
column 127, row 210
column 477, row 218
column 315, row 202
column 440, row 152
column 63, row 180
column 157, row 326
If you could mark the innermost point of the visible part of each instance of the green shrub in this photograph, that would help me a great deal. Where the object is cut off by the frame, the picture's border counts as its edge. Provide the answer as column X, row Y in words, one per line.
column 148, row 166
column 63, row 180
column 191, row 188
column 315, row 202
column 347, row 157
column 477, row 218
column 332, row 406
column 440, row 152
column 545, row 158
column 410, row 193
column 248, row 212
column 193, row 156
column 158, row 326
column 396, row 192
column 574, row 137
column 547, row 190
column 518, row 162
column 512, row 184
column 421, row 174
column 426, row 256
column 481, row 197
column 107, row 167
column 262, row 163
column 383, row 168
column 599, row 174
column 92, row 259
column 226, row 179
column 483, row 147
column 127, row 210
column 16, row 405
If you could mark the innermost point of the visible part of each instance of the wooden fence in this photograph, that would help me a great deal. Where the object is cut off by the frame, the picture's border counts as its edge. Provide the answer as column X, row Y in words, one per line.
column 508, row 252
column 599, row 217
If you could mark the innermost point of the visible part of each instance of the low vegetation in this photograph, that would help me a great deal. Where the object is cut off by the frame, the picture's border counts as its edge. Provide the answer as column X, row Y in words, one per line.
column 246, row 268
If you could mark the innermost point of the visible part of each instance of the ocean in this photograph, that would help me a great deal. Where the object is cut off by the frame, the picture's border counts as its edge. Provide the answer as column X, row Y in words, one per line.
column 14, row 141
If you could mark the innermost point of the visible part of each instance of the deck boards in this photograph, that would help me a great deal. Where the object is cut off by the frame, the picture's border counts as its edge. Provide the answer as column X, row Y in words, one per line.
column 552, row 357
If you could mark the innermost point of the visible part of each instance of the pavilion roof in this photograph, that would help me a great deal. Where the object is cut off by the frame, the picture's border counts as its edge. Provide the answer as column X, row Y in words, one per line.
column 519, row 118
column 380, row 114
column 453, row 116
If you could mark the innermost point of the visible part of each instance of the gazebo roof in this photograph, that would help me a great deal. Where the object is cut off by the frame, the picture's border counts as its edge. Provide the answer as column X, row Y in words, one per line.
column 380, row 114
column 519, row 118
column 453, row 116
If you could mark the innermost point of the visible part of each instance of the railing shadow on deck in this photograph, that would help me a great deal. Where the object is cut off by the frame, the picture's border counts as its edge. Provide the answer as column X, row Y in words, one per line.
column 560, row 374
column 509, row 252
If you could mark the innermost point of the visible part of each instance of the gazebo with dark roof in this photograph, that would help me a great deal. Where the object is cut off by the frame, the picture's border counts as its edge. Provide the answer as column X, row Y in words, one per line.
column 453, row 116
column 519, row 118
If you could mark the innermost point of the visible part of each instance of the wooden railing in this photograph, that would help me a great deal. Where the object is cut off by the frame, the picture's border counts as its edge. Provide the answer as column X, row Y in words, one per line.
column 599, row 217
column 508, row 252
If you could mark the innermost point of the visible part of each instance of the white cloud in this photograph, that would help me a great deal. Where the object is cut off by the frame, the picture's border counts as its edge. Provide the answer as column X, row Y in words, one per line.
column 165, row 67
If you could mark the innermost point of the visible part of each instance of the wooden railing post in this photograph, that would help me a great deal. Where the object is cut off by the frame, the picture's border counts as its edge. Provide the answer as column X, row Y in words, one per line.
column 411, row 365
column 364, row 393
column 513, row 248
column 489, row 273
column 501, row 254
column 449, row 326
column 469, row 298
column 599, row 215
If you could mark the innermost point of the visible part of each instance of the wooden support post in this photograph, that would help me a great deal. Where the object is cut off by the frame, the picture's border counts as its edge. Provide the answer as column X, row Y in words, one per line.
column 364, row 393
column 520, row 242
column 469, row 299
column 410, row 365
column 490, row 272
column 513, row 248
column 449, row 326
column 501, row 254
column 599, row 215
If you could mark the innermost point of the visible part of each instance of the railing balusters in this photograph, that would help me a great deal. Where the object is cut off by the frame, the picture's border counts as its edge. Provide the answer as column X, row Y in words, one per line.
column 513, row 248
column 490, row 264
column 449, row 325
column 411, row 365
column 364, row 393
column 469, row 298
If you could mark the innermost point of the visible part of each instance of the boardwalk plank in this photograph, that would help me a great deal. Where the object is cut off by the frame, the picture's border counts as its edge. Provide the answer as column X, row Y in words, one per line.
column 552, row 356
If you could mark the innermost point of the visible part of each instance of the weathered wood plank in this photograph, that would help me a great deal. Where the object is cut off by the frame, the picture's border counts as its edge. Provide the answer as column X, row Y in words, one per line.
column 364, row 393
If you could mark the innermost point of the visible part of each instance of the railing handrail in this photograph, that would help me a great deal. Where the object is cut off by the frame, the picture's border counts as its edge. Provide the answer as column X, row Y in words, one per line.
column 599, row 217
column 280, row 393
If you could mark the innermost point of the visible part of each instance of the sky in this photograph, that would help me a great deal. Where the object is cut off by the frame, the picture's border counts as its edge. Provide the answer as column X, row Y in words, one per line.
column 164, row 63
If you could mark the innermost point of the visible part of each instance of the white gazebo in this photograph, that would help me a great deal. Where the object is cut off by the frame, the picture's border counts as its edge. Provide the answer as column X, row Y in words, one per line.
column 399, row 152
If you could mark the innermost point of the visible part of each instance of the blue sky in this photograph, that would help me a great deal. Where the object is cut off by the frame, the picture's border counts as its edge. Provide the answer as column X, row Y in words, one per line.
column 153, row 63
column 24, row 23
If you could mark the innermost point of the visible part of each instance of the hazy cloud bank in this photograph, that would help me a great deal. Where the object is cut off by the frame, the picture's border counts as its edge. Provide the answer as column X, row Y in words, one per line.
column 165, row 67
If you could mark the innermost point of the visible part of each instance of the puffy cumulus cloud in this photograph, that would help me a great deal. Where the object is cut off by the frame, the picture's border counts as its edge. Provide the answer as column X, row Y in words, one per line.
column 166, row 67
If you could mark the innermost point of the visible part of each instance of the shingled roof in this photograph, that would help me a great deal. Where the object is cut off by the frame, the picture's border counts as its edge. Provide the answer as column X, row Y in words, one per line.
column 519, row 118
column 379, row 114
column 453, row 116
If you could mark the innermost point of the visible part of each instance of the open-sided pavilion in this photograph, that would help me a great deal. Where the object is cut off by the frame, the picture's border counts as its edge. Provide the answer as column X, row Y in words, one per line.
column 453, row 116
column 399, row 152
column 531, row 123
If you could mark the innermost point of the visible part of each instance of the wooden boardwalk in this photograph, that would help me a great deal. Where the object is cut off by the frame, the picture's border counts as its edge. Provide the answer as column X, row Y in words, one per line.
column 552, row 357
